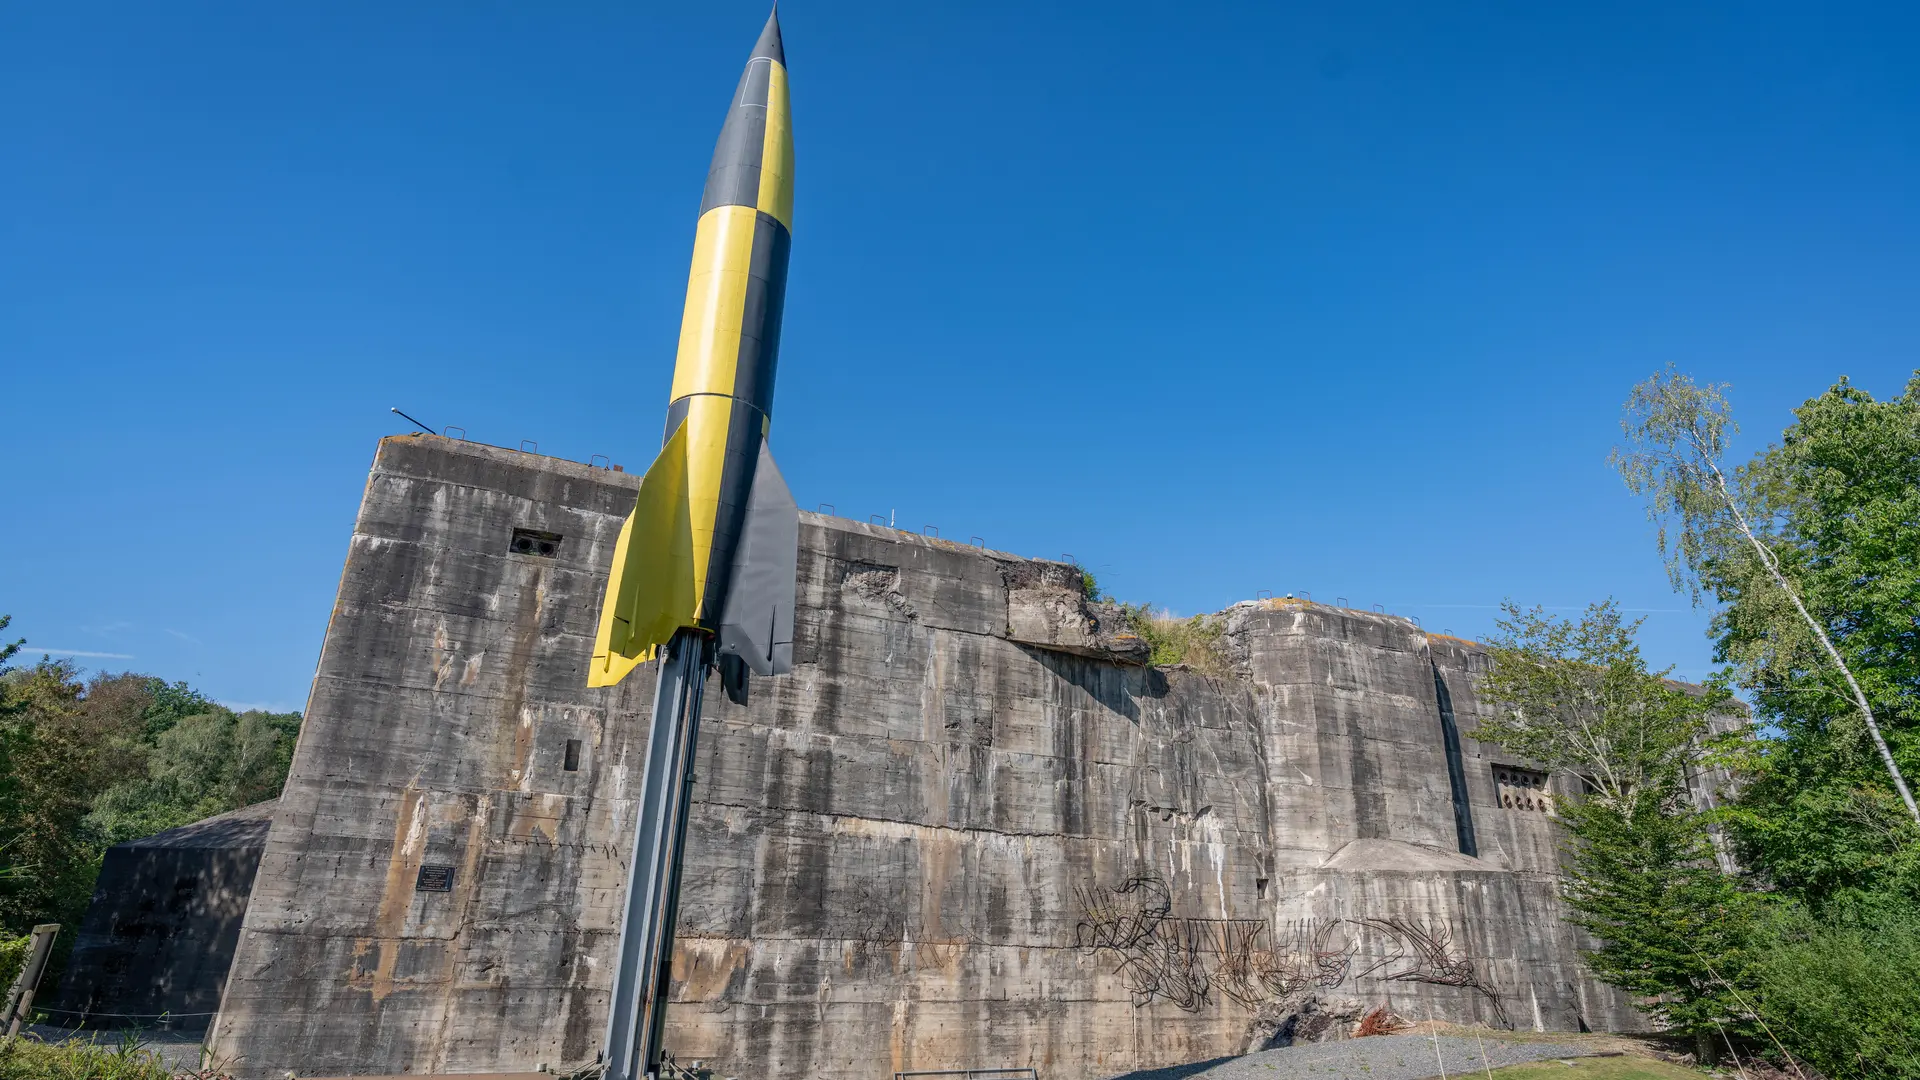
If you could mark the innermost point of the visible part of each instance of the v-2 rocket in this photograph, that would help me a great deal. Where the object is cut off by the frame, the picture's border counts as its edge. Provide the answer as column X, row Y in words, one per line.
column 711, row 542
column 703, row 572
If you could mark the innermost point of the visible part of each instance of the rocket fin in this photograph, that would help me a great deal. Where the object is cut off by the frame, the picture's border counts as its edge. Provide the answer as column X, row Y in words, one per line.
column 757, row 623
column 650, row 591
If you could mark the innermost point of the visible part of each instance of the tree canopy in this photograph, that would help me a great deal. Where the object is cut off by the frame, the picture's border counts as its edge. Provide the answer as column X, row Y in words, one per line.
column 1840, row 496
column 1807, row 942
column 86, row 763
column 1576, row 696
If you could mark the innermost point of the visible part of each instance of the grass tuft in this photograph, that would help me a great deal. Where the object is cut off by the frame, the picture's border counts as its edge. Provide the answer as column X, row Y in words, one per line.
column 1198, row 643
column 31, row 1059
column 1616, row 1067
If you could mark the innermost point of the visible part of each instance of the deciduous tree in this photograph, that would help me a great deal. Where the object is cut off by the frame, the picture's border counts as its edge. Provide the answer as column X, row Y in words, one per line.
column 1576, row 697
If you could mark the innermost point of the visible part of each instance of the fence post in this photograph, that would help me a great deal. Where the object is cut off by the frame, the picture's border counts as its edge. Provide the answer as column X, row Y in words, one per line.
column 20, row 998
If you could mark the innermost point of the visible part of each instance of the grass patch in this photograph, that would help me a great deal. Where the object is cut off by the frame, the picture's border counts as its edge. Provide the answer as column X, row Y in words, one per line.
column 31, row 1059
column 1621, row 1067
column 1199, row 642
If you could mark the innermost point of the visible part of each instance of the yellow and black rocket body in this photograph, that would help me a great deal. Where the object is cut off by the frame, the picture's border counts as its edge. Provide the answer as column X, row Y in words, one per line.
column 703, row 573
column 712, row 540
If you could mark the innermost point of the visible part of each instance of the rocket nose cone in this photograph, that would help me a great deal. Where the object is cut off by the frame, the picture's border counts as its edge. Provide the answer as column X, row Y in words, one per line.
column 769, row 43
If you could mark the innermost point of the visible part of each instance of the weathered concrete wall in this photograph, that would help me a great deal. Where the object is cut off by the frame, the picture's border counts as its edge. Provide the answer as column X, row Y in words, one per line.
column 159, row 934
column 1357, row 702
column 970, row 828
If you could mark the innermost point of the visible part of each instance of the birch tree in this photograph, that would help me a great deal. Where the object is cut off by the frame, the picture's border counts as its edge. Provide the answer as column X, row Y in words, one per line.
column 1676, row 434
column 1575, row 696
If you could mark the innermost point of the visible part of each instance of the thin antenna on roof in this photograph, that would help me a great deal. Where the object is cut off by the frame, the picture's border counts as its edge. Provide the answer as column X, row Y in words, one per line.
column 414, row 422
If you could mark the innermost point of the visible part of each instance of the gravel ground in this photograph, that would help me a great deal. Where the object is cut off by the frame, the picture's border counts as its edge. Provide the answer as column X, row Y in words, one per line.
column 177, row 1050
column 1380, row 1057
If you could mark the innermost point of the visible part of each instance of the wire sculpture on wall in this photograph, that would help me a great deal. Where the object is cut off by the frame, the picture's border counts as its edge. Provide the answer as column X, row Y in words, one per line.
column 1252, row 973
column 1186, row 961
column 1156, row 956
column 1427, row 952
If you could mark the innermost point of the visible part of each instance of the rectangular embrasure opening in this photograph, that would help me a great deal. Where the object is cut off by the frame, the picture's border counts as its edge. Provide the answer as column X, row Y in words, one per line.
column 572, row 763
column 534, row 542
column 1520, row 788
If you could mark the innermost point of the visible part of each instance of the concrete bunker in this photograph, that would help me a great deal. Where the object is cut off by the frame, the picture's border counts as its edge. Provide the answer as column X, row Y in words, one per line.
column 158, row 937
column 971, row 828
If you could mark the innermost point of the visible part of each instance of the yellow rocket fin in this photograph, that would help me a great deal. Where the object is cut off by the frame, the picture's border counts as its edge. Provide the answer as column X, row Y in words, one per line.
column 650, row 591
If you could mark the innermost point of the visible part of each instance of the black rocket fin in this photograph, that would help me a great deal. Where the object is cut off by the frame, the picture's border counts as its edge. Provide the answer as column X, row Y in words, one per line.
column 733, row 677
column 756, row 623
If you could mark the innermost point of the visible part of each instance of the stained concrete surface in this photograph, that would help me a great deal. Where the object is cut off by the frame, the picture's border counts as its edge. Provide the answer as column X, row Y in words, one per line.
column 970, row 829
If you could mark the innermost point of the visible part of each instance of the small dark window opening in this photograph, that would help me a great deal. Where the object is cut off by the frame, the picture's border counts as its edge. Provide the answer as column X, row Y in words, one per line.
column 1260, row 886
column 572, row 763
column 534, row 542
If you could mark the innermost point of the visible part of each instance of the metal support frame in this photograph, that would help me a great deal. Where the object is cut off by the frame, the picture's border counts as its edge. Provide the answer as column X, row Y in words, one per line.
column 636, row 1015
column 20, row 998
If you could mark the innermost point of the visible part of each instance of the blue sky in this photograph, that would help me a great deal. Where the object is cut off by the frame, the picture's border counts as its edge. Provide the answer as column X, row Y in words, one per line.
column 1218, row 298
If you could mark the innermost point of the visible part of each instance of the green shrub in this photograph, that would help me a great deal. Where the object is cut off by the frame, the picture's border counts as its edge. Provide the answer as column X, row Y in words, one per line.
column 1842, row 992
column 31, row 1059
column 13, row 953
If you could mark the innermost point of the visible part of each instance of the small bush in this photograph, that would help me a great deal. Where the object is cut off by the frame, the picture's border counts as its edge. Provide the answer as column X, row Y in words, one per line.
column 31, row 1059
column 13, row 954
column 1843, row 992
